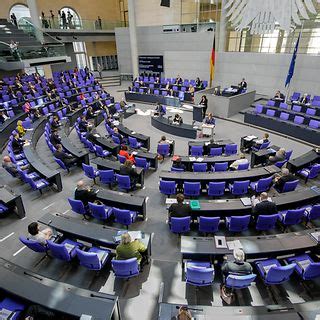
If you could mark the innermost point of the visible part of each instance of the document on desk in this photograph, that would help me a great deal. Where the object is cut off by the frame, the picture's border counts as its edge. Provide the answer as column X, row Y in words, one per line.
column 235, row 244
column 220, row 242
column 246, row 201
column 316, row 236
column 6, row 314
column 199, row 159
column 250, row 138
column 192, row 158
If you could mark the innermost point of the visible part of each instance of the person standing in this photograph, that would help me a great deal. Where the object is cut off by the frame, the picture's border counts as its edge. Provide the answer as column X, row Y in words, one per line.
column 64, row 20
column 99, row 68
column 204, row 102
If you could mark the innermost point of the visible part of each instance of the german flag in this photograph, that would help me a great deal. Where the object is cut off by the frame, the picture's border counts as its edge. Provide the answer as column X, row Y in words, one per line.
column 212, row 60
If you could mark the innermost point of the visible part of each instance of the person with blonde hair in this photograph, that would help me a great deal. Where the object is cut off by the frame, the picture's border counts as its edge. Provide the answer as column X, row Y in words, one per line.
column 243, row 160
column 20, row 129
column 279, row 156
column 184, row 314
column 129, row 248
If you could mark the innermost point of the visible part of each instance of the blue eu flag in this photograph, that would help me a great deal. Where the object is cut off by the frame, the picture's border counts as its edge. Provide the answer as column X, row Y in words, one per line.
column 293, row 62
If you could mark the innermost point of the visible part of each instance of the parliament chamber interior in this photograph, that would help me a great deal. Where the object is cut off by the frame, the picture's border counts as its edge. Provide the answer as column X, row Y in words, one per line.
column 160, row 159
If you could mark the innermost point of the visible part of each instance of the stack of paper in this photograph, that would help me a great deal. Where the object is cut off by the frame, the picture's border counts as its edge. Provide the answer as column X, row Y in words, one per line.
column 235, row 244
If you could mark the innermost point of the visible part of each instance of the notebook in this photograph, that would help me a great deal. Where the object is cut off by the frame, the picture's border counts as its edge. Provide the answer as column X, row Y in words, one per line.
column 303, row 263
column 69, row 247
column 236, row 244
column 246, row 201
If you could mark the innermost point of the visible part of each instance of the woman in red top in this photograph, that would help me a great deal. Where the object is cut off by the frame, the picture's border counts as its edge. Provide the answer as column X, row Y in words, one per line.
column 124, row 152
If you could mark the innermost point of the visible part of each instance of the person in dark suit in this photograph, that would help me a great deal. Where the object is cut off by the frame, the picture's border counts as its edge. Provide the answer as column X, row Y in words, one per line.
column 90, row 113
column 304, row 99
column 55, row 138
column 160, row 110
column 285, row 176
column 117, row 134
column 279, row 96
column 209, row 119
column 264, row 206
column 126, row 169
column 84, row 193
column 204, row 103
column 179, row 209
column 178, row 80
column 17, row 144
column 66, row 158
column 83, row 124
column 198, row 82
column 55, row 124
column 243, row 84
column 177, row 119
column 91, row 134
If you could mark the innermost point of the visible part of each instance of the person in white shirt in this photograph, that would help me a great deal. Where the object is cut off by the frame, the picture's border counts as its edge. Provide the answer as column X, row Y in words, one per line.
column 37, row 235
column 242, row 160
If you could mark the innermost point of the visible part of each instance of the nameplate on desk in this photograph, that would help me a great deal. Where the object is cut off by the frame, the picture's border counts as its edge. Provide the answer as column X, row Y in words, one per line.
column 220, row 242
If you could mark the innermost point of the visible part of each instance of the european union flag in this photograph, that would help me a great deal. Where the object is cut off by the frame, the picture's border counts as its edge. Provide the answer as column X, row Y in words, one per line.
column 293, row 62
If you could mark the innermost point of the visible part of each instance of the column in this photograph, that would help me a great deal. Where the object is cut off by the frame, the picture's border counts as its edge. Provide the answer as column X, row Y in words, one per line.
column 222, row 28
column 133, row 38
column 35, row 18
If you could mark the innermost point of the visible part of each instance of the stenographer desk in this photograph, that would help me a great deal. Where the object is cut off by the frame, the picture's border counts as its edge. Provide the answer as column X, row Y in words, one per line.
column 145, row 140
column 60, row 297
column 52, row 176
column 96, row 234
column 182, row 130
column 105, row 164
column 234, row 207
column 228, row 176
column 123, row 201
column 12, row 201
column 253, row 246
column 304, row 161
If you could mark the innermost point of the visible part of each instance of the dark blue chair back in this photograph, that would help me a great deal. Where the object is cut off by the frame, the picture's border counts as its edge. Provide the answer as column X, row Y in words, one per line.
column 123, row 216
column 216, row 189
column 266, row 222
column 240, row 281
column 198, row 276
column 238, row 223
column 290, row 186
column 123, row 182
column 263, row 185
column 208, row 224
column 106, row 176
column 240, row 187
column 215, row 151
column 180, row 225
column 231, row 149
column 77, row 206
column 220, row 166
column 99, row 211
column 89, row 260
column 278, row 275
column 191, row 189
column 122, row 159
column 196, row 150
column 200, row 167
column 243, row 166
column 293, row 216
column 163, row 149
column 33, row 245
column 167, row 187
column 125, row 268
column 314, row 212
column 59, row 251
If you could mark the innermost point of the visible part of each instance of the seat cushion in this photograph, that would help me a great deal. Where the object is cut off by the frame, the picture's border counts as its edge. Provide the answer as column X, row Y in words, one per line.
column 296, row 259
column 261, row 264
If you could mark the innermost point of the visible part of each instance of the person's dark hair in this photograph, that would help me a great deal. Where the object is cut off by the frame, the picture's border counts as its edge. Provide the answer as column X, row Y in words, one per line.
column 180, row 197
column 163, row 138
column 33, row 228
column 59, row 147
column 124, row 147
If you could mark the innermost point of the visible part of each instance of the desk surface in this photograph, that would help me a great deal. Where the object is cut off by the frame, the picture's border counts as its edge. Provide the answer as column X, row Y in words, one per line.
column 208, row 159
column 55, row 295
column 305, row 159
column 86, row 231
column 253, row 246
column 128, row 132
column 7, row 196
column 112, row 165
column 253, row 174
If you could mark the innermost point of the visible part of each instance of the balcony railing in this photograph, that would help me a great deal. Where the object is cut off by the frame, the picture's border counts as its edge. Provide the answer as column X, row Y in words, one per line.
column 83, row 24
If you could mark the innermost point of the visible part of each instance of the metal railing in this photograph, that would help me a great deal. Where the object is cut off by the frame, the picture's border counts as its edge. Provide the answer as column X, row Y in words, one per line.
column 83, row 24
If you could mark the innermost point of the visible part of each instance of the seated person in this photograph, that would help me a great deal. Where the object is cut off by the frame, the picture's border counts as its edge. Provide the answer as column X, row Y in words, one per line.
column 84, row 193
column 66, row 158
column 129, row 248
column 160, row 110
column 170, row 93
column 11, row 167
column 37, row 235
column 176, row 163
column 238, row 267
column 117, row 134
column 3, row 117
column 37, row 312
column 55, row 123
column 184, row 314
column 55, row 138
column 124, row 152
column 177, row 119
column 111, row 109
column 126, row 169
column 83, row 124
column 168, row 86
column 110, row 120
column 191, row 89
column 209, row 119
column 20, row 129
column 92, row 134
column 258, row 143
column 123, row 104
column 178, row 80
column 90, row 113
column 36, row 115
column 279, row 156
column 179, row 209
column 304, row 99
column 17, row 144
column 243, row 160
column 279, row 96
column 264, row 205
column 198, row 82
column 285, row 176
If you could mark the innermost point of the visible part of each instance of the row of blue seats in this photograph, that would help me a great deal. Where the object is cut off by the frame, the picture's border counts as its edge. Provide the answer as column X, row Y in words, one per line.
column 241, row 223
column 272, row 272
column 217, row 189
column 92, row 258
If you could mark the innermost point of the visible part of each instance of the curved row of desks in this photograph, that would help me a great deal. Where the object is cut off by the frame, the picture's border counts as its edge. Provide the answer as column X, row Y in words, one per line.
column 93, row 233
column 145, row 140
column 306, row 310
column 304, row 160
column 253, row 246
column 52, row 176
column 228, row 176
column 233, row 207
column 60, row 297
column 221, row 143
column 12, row 201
